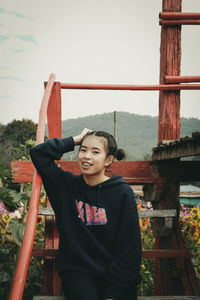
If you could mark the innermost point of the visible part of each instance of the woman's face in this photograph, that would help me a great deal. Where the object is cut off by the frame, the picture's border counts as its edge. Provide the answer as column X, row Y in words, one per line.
column 92, row 157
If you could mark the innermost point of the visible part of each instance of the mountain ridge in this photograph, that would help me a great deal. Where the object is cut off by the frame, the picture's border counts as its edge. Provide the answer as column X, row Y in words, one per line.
column 136, row 134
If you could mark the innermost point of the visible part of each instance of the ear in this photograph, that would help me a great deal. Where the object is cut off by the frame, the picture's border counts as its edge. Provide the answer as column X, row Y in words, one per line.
column 109, row 160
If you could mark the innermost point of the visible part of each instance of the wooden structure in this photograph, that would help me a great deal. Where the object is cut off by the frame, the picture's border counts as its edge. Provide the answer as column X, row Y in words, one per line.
column 174, row 273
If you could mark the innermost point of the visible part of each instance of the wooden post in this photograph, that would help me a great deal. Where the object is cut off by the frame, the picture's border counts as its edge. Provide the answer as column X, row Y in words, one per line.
column 170, row 60
column 168, row 129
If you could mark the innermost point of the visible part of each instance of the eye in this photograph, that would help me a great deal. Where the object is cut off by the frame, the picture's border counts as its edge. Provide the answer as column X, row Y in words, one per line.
column 82, row 150
column 96, row 152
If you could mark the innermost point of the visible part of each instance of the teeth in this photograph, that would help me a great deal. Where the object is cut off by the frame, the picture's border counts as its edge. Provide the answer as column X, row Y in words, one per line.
column 86, row 164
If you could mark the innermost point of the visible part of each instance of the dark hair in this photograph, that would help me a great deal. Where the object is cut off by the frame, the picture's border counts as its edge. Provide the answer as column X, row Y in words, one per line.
column 112, row 149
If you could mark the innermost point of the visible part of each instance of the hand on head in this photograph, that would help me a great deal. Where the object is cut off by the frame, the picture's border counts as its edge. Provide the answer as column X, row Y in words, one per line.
column 78, row 139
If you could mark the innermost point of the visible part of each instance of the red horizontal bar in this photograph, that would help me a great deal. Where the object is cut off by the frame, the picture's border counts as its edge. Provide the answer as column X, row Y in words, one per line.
column 163, row 253
column 179, row 15
column 161, row 87
column 179, row 22
column 157, row 253
column 134, row 172
column 180, row 79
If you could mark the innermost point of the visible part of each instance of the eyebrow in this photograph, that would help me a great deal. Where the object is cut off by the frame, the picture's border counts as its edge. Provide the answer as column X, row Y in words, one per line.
column 94, row 148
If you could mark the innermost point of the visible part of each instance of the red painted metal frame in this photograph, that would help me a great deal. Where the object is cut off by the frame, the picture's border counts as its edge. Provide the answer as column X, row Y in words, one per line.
column 180, row 79
column 159, row 87
column 29, row 235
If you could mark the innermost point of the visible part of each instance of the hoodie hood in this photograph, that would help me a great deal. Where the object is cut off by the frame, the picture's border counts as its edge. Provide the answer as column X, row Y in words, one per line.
column 98, row 194
column 114, row 180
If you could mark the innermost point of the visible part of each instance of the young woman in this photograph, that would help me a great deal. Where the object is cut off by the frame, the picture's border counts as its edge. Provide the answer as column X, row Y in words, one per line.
column 100, row 246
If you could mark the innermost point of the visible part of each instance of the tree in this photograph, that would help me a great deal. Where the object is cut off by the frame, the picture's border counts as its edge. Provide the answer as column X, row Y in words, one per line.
column 13, row 136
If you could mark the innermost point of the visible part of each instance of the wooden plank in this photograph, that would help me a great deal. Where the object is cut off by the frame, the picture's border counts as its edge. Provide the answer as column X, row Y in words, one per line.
column 137, row 172
column 176, row 170
column 142, row 213
column 22, row 171
column 163, row 213
column 156, row 253
column 169, row 253
column 168, row 297
column 139, row 298
column 177, row 150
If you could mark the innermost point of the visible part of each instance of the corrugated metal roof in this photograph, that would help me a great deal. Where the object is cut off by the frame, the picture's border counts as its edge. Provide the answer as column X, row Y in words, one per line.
column 186, row 191
column 189, row 188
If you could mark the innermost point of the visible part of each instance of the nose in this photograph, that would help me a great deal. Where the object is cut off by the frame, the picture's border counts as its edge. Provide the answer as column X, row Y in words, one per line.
column 87, row 154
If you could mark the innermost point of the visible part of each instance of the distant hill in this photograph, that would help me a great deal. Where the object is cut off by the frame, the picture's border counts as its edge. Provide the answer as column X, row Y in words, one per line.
column 136, row 134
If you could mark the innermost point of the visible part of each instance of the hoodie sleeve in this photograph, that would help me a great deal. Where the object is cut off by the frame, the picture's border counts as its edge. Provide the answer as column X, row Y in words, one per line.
column 43, row 157
column 125, row 266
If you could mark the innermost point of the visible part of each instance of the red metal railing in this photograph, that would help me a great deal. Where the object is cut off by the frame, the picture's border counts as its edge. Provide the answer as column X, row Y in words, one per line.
column 159, row 87
column 29, row 235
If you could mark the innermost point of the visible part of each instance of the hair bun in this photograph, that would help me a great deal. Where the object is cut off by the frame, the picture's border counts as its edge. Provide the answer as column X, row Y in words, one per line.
column 120, row 154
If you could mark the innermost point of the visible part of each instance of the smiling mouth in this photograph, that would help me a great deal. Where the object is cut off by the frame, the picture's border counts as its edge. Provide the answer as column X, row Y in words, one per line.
column 85, row 164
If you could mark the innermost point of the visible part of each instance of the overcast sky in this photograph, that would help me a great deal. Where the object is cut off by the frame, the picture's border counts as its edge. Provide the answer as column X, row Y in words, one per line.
column 88, row 41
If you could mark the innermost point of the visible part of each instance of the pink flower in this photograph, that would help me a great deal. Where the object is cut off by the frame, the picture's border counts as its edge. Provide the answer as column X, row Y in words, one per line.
column 3, row 209
column 15, row 214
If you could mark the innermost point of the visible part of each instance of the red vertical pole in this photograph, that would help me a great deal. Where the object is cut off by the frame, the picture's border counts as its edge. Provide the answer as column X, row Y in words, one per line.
column 19, row 279
column 51, row 232
column 170, row 61
column 54, row 112
column 169, row 110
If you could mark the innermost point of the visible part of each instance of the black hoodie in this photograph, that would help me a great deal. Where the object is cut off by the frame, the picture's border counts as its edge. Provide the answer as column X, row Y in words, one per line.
column 98, row 225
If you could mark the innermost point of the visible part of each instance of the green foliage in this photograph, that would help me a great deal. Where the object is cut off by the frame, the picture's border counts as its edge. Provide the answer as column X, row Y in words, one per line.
column 148, row 242
column 12, row 138
column 17, row 230
column 13, row 215
column 34, row 281
column 8, row 256
column 11, row 198
column 5, row 175
column 190, row 225
column 19, row 131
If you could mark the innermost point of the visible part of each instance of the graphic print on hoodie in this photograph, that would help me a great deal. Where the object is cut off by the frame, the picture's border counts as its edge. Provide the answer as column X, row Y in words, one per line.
column 98, row 225
column 91, row 215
